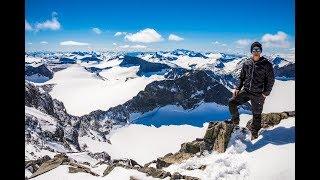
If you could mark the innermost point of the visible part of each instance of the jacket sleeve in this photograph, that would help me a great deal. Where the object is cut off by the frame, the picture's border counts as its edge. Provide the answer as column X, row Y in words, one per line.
column 269, row 80
column 241, row 78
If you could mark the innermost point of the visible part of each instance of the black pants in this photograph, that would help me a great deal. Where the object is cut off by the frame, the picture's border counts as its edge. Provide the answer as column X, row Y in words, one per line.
column 257, row 101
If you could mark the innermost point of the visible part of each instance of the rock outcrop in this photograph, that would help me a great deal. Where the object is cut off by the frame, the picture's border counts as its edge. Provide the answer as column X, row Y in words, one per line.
column 76, row 168
column 102, row 156
column 67, row 128
column 272, row 119
column 218, row 135
column 170, row 158
column 33, row 165
column 53, row 163
column 41, row 70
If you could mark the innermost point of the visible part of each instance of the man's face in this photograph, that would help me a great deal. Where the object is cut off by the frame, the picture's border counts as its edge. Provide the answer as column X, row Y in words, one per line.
column 256, row 51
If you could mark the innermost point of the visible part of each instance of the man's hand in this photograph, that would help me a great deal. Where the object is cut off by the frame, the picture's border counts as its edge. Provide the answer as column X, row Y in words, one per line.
column 235, row 92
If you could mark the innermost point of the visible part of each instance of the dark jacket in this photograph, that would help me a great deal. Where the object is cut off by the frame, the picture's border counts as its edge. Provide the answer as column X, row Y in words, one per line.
column 257, row 77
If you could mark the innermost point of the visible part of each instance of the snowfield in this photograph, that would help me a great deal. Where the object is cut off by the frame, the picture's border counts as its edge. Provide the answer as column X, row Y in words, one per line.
column 46, row 122
column 83, row 92
column 145, row 143
column 281, row 98
column 268, row 157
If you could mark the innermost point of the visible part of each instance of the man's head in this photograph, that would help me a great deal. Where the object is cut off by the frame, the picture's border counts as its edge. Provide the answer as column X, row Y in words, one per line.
column 256, row 50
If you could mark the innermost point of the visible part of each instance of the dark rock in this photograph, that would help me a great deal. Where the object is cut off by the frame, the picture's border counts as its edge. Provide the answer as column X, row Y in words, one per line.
column 145, row 66
column 170, row 158
column 126, row 162
column 151, row 162
column 53, row 163
column 90, row 59
column 154, row 172
column 175, row 73
column 65, row 60
column 218, row 135
column 75, row 168
column 202, row 167
column 177, row 175
column 33, row 165
column 100, row 156
column 287, row 71
column 41, row 70
column 192, row 147
column 108, row 170
column 272, row 119
column 133, row 178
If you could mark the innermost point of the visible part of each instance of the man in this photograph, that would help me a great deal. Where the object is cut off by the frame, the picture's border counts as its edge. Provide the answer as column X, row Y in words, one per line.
column 257, row 79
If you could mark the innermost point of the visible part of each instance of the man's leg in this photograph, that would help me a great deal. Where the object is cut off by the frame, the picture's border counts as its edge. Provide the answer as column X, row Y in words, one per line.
column 257, row 102
column 241, row 98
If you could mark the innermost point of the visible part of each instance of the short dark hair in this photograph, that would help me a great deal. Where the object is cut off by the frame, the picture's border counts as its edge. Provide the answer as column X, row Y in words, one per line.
column 256, row 44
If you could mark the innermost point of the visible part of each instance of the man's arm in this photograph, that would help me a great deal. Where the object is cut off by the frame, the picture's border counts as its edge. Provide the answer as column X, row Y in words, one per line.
column 269, row 80
column 241, row 78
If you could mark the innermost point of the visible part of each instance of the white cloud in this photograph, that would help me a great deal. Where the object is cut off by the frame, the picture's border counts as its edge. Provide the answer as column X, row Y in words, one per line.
column 173, row 37
column 244, row 42
column 114, row 44
column 276, row 40
column 52, row 24
column 120, row 33
column 27, row 26
column 144, row 36
column 30, row 43
column 73, row 43
column 96, row 30
column 292, row 49
column 217, row 43
column 124, row 46
column 54, row 14
column 139, row 46
column 44, row 42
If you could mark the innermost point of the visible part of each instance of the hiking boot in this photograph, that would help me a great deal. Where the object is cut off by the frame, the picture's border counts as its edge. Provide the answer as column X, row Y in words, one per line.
column 254, row 135
column 254, row 132
column 235, row 121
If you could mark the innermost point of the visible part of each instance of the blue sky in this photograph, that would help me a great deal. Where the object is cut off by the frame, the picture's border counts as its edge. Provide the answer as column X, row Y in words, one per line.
column 196, row 25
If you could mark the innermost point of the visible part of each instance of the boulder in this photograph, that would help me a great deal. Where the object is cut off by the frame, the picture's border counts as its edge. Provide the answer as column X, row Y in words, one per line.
column 53, row 163
column 154, row 172
column 218, row 135
column 202, row 167
column 33, row 165
column 151, row 162
column 272, row 119
column 177, row 175
column 75, row 168
column 170, row 158
column 103, row 156
column 193, row 147
column 125, row 163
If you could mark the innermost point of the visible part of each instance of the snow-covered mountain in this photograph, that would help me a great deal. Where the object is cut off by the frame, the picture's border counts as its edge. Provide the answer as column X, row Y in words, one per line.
column 50, row 128
column 37, row 72
column 93, row 107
